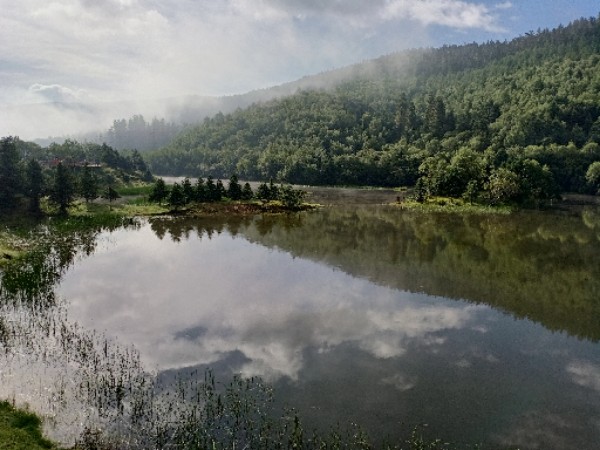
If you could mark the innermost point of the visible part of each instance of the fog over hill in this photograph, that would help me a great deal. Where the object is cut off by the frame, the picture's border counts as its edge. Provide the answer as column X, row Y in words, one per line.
column 90, row 120
column 74, row 66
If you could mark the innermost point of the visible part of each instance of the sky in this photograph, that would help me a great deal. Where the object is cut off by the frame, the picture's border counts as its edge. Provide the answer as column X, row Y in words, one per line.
column 102, row 51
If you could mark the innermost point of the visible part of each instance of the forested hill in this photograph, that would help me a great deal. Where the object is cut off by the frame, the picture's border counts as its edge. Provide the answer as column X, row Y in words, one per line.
column 507, row 121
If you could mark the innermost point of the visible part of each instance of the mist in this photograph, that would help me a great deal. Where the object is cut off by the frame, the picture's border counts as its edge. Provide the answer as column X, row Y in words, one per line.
column 72, row 67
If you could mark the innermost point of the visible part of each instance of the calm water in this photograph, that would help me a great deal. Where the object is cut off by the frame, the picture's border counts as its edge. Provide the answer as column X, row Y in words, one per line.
column 485, row 328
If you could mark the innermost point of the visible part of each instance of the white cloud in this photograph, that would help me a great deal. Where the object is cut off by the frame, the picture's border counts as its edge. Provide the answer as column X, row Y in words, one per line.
column 134, row 49
column 57, row 93
column 448, row 13
column 451, row 13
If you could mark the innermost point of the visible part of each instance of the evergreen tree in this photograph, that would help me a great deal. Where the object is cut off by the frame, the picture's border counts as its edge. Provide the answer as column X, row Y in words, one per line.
column 212, row 194
column 63, row 190
column 188, row 190
column 11, row 183
column 200, row 194
column 159, row 191
column 110, row 194
column 263, row 192
column 273, row 190
column 147, row 175
column 176, row 196
column 88, row 184
column 221, row 192
column 234, row 192
column 137, row 162
column 35, row 185
column 247, row 193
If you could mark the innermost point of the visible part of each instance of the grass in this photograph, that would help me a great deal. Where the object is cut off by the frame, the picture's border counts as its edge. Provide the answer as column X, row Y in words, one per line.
column 21, row 430
column 8, row 250
column 453, row 205
column 12, row 246
column 135, row 207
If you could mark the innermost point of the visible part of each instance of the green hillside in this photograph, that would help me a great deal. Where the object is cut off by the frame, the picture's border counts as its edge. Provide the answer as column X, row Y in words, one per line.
column 501, row 121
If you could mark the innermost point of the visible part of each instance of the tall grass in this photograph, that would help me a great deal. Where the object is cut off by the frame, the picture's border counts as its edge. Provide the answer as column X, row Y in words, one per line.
column 20, row 430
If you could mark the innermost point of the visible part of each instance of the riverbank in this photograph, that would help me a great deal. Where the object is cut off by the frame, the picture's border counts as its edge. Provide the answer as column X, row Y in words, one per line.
column 15, row 242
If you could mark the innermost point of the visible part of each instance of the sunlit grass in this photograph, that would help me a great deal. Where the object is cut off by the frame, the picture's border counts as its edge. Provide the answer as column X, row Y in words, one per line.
column 453, row 205
column 12, row 245
column 21, row 430
column 136, row 207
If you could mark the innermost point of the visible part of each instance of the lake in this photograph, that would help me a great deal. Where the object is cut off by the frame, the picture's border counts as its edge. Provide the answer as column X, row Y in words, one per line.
column 483, row 327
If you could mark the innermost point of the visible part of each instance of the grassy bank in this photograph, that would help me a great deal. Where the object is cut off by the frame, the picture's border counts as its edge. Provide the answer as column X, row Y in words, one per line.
column 455, row 205
column 21, row 430
column 12, row 244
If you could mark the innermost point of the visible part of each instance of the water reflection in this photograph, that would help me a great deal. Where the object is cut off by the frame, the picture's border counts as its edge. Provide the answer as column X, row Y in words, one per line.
column 191, row 304
column 48, row 362
column 348, row 313
column 372, row 315
column 536, row 265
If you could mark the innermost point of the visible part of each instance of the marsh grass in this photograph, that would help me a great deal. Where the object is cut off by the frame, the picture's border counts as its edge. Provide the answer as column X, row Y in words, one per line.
column 133, row 207
column 452, row 205
column 21, row 430
column 9, row 248
column 14, row 238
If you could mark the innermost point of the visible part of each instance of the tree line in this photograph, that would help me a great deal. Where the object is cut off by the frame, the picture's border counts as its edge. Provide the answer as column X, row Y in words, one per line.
column 211, row 191
column 500, row 122
column 28, row 173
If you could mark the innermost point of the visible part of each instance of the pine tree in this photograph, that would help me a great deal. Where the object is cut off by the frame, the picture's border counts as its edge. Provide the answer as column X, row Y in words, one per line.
column 221, row 192
column 201, row 194
column 188, row 190
column 247, row 193
column 159, row 192
column 88, row 184
column 176, row 196
column 110, row 194
column 235, row 189
column 63, row 190
column 35, row 185
column 263, row 192
column 211, row 190
column 11, row 183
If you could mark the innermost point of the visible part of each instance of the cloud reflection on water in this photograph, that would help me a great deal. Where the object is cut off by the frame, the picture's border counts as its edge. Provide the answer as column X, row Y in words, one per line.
column 193, row 304
column 333, row 344
column 585, row 374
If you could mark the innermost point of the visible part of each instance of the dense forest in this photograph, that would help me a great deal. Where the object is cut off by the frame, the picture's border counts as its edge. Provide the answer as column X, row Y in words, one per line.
column 136, row 133
column 62, row 172
column 501, row 122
